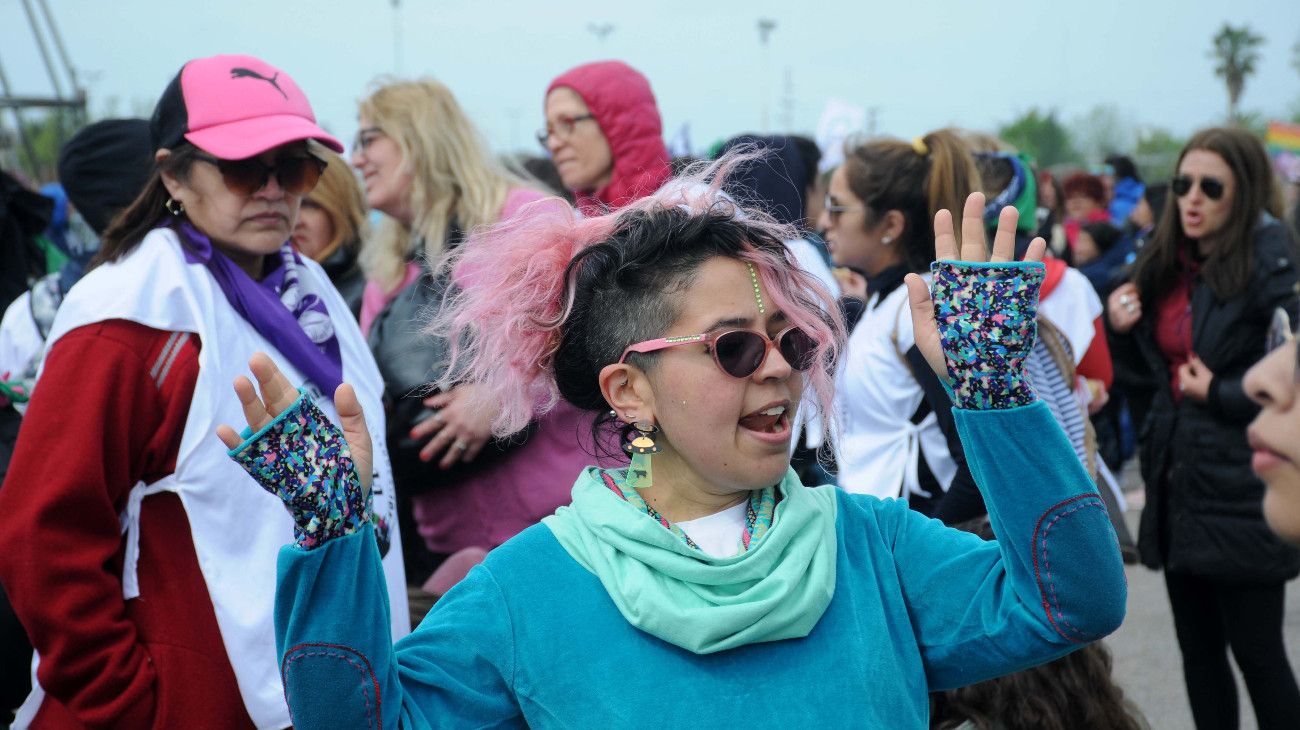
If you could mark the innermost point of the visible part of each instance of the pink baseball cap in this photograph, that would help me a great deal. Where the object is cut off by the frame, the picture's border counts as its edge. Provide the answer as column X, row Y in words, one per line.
column 234, row 107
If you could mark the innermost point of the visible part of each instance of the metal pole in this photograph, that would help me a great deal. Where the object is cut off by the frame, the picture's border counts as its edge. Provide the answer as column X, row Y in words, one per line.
column 765, row 28
column 18, row 120
column 397, row 37
column 45, row 52
column 67, row 62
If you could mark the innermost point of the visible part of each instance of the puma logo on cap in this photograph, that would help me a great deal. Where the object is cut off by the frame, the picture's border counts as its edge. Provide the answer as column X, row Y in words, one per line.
column 244, row 73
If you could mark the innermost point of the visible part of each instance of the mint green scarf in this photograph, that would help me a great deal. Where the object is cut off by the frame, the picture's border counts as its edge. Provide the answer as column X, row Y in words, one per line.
column 778, row 589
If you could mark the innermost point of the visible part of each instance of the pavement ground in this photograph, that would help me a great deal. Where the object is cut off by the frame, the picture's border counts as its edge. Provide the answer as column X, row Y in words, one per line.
column 1148, row 665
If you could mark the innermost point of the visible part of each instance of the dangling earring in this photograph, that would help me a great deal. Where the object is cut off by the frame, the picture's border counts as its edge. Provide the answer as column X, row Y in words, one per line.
column 639, row 474
column 174, row 206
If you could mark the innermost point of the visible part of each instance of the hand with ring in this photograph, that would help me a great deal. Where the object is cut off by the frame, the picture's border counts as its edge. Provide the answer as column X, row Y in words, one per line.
column 1194, row 379
column 458, row 429
column 1124, row 308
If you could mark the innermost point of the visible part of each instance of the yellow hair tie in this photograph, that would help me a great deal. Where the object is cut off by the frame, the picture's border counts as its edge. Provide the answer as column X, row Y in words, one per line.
column 920, row 147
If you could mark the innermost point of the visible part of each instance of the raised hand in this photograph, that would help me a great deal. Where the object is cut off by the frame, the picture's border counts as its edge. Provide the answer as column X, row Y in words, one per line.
column 279, row 394
column 982, row 338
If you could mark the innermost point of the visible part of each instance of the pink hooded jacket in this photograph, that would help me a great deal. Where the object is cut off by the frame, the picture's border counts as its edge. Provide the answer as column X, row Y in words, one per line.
column 622, row 103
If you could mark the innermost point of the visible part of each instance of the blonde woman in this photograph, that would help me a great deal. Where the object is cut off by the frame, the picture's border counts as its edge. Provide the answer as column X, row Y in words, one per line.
column 331, row 225
column 425, row 167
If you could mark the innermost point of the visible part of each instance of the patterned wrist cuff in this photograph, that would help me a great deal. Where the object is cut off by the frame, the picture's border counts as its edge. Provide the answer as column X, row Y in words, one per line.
column 302, row 458
column 986, row 317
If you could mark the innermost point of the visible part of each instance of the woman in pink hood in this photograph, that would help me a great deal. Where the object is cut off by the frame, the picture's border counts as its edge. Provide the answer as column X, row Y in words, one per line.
column 605, row 136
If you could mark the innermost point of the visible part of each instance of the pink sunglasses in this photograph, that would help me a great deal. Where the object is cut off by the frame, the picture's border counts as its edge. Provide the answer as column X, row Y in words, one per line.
column 740, row 353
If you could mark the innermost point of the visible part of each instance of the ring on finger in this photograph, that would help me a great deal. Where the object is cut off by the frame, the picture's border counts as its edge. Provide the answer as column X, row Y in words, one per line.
column 460, row 445
column 436, row 417
column 1125, row 299
column 1130, row 307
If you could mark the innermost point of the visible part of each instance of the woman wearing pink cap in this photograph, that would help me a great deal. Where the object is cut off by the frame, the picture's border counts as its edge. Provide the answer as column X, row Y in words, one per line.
column 144, row 579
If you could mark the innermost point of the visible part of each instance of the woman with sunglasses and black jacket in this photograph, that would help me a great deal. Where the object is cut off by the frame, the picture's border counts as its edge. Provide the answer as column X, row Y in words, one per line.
column 1195, row 311
column 141, row 571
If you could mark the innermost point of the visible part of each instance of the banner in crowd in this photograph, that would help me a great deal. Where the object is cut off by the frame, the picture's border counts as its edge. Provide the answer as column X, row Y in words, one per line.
column 839, row 120
column 1283, row 142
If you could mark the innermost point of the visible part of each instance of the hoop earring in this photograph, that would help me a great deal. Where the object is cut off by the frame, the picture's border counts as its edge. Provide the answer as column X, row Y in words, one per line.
column 640, row 473
column 175, row 207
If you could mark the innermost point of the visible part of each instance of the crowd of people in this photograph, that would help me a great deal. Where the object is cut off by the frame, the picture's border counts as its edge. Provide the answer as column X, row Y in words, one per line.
column 520, row 425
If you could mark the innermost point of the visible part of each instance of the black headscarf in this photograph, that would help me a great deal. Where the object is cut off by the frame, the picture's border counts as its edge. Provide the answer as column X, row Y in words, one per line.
column 777, row 183
column 104, row 167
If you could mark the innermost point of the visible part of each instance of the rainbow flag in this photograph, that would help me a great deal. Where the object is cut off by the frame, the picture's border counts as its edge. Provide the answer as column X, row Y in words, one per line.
column 1283, row 142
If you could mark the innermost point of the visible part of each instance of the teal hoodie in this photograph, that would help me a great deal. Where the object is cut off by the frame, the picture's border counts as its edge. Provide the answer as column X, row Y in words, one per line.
column 532, row 638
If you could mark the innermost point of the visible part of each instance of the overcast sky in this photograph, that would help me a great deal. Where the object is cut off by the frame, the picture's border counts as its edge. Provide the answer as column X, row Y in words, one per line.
column 922, row 64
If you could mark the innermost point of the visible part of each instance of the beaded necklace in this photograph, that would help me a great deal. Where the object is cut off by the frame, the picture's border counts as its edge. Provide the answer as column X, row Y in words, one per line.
column 758, row 515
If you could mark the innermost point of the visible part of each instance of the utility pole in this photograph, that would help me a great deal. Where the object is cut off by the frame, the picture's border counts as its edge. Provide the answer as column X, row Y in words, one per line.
column 872, row 111
column 788, row 102
column 397, row 37
column 765, row 28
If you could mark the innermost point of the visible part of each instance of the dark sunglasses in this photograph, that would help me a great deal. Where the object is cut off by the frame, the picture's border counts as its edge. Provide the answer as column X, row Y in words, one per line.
column 740, row 353
column 562, row 128
column 1211, row 186
column 1280, row 332
column 297, row 174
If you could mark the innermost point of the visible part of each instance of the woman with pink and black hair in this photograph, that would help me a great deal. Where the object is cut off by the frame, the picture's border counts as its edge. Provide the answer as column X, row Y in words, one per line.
column 702, row 583
column 605, row 136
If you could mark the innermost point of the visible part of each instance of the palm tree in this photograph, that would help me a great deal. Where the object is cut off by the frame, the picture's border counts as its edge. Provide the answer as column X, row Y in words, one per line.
column 1235, row 51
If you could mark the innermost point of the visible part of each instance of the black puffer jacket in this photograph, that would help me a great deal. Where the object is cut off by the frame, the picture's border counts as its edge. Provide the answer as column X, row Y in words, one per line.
column 1203, row 513
column 346, row 275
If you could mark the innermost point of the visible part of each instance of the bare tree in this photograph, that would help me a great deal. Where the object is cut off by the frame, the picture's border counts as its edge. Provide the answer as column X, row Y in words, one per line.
column 1235, row 49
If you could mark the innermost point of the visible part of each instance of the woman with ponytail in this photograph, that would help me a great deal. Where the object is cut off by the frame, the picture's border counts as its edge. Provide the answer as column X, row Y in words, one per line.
column 897, row 437
column 702, row 585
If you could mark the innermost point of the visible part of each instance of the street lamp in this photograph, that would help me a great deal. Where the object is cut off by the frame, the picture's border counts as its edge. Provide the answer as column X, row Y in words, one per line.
column 765, row 28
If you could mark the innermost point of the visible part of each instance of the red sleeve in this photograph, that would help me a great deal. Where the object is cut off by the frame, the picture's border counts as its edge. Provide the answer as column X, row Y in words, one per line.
column 1096, row 364
column 103, row 417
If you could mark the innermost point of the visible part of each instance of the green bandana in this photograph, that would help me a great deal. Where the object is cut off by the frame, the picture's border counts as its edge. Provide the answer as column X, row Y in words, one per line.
column 778, row 589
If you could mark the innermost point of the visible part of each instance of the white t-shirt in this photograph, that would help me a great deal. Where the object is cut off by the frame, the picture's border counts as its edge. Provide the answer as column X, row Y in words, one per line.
column 719, row 534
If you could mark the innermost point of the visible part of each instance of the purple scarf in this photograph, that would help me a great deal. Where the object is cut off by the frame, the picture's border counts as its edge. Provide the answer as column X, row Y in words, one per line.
column 281, row 307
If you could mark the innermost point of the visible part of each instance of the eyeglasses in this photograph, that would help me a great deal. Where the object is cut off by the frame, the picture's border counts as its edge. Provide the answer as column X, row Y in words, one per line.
column 740, row 353
column 297, row 174
column 562, row 128
column 1212, row 186
column 365, row 138
column 835, row 211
